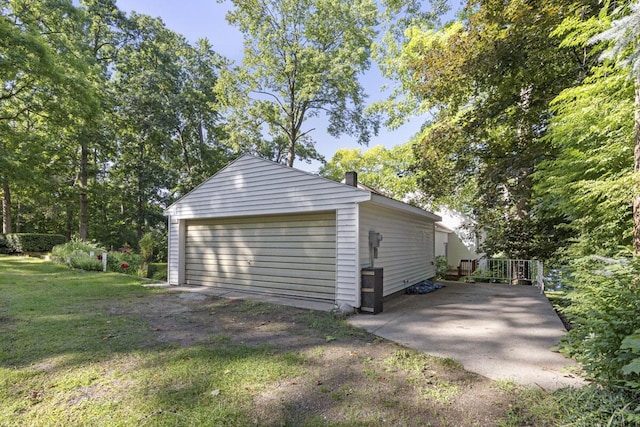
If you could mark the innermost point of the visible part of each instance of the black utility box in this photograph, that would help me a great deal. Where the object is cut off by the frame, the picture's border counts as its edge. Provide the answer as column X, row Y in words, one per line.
column 371, row 290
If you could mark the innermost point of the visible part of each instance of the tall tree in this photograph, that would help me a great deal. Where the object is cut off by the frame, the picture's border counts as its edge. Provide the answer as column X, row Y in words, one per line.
column 199, row 133
column 488, row 79
column 42, row 77
column 147, row 82
column 386, row 170
column 169, row 132
column 589, row 182
column 99, row 39
column 625, row 50
column 302, row 58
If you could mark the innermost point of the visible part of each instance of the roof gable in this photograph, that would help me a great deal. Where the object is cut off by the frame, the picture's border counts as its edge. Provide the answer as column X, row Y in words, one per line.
column 254, row 186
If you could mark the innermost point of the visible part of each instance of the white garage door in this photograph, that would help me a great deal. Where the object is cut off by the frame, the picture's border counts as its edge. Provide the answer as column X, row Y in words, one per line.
column 291, row 255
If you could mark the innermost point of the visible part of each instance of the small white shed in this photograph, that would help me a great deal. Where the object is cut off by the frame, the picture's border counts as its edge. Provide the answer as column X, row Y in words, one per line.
column 261, row 227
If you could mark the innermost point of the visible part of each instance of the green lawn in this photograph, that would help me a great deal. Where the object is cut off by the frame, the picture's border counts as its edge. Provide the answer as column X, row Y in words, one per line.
column 81, row 348
column 64, row 360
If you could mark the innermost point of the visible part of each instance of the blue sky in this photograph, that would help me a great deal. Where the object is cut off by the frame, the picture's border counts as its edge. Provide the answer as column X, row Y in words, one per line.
column 196, row 19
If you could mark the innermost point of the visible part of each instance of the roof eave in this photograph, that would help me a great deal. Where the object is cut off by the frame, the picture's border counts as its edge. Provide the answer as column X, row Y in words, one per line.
column 395, row 204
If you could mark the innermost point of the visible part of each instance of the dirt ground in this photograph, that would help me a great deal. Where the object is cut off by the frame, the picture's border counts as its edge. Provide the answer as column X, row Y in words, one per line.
column 349, row 373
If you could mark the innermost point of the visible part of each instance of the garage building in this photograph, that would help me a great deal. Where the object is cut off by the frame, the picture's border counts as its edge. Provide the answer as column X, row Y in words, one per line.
column 261, row 227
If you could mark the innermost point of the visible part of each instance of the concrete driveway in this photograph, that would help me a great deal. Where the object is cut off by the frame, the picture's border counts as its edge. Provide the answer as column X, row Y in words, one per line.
column 502, row 332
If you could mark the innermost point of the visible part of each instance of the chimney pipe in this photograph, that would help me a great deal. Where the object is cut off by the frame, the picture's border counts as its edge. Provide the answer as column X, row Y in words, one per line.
column 351, row 178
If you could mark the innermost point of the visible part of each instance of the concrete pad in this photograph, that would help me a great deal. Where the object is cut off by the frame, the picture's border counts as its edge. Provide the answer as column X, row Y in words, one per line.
column 503, row 332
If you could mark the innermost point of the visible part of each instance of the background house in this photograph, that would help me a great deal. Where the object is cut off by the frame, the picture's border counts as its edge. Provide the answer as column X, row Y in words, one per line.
column 258, row 226
column 456, row 237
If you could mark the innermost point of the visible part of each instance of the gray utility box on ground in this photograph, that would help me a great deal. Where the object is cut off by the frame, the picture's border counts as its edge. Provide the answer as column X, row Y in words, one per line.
column 371, row 290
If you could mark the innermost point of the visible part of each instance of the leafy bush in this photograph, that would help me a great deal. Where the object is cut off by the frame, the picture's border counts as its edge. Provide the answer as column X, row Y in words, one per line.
column 146, row 247
column 157, row 271
column 598, row 406
column 604, row 307
column 29, row 242
column 4, row 245
column 84, row 261
column 153, row 245
column 60, row 253
column 441, row 266
column 124, row 262
column 77, row 254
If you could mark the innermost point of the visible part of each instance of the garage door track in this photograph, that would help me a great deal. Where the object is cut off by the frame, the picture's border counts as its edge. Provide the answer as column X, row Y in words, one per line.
column 502, row 332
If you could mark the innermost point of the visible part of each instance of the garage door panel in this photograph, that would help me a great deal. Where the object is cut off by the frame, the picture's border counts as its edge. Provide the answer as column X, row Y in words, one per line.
column 268, row 287
column 293, row 229
column 290, row 273
column 310, row 285
column 272, row 268
column 283, row 222
column 290, row 255
column 243, row 253
column 262, row 244
column 309, row 263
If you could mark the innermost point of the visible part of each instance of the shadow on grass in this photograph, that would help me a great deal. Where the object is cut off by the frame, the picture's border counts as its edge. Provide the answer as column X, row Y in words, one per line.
column 91, row 348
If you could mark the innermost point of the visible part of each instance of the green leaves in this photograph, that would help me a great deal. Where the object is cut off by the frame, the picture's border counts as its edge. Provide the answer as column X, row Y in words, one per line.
column 105, row 118
column 487, row 79
column 302, row 59
column 589, row 183
column 386, row 170
column 630, row 349
column 605, row 302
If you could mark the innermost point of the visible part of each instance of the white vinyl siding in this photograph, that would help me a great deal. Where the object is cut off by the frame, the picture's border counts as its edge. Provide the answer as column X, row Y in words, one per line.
column 406, row 252
column 253, row 186
column 288, row 255
column 347, row 268
column 173, row 252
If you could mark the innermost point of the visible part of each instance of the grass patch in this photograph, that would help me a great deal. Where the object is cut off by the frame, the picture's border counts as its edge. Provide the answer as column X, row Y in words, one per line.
column 331, row 327
column 67, row 359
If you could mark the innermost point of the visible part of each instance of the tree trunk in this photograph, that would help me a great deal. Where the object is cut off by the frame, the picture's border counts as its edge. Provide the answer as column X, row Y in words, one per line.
column 69, row 221
column 292, row 153
column 16, row 229
column 636, row 169
column 185, row 151
column 84, row 201
column 140, row 193
column 6, row 207
column 140, row 209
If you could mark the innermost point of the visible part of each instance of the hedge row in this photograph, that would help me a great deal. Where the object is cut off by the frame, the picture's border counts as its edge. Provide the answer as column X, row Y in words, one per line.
column 29, row 242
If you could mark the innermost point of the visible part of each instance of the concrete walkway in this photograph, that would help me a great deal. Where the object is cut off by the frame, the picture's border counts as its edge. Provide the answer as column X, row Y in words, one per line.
column 502, row 332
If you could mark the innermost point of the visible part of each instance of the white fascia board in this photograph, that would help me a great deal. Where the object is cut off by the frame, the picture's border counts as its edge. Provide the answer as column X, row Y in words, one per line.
column 443, row 228
column 394, row 204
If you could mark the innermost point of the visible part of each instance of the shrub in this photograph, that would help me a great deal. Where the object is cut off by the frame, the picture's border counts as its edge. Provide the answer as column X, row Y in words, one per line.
column 604, row 307
column 29, row 242
column 157, row 271
column 146, row 247
column 124, row 262
column 441, row 266
column 61, row 253
column 77, row 254
column 4, row 245
column 153, row 246
column 84, row 261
